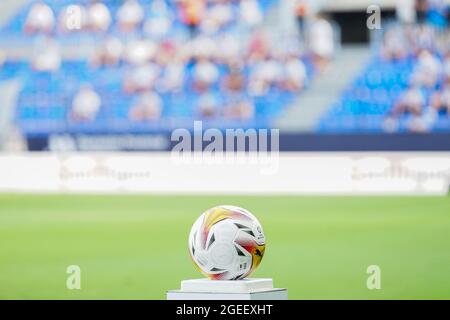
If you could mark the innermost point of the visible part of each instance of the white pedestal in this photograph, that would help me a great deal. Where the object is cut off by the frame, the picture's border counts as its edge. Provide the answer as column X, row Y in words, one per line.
column 246, row 289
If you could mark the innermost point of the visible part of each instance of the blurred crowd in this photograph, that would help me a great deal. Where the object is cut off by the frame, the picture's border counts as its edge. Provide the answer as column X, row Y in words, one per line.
column 218, row 49
column 422, row 37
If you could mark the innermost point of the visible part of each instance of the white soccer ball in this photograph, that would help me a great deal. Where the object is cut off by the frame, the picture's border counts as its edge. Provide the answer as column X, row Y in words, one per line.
column 227, row 243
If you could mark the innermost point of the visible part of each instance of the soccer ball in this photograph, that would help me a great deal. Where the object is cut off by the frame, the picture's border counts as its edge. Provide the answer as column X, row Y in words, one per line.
column 226, row 243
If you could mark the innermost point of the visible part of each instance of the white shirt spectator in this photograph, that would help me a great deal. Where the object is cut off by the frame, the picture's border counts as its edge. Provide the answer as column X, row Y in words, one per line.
column 445, row 96
column 406, row 11
column 271, row 71
column 86, row 104
column 157, row 27
column 291, row 46
column 160, row 22
column 241, row 109
column 40, row 18
column 395, row 45
column 159, row 7
column 3, row 58
column 295, row 71
column 130, row 14
column 264, row 75
column 251, row 13
column 47, row 56
column 427, row 70
column 413, row 98
column 109, row 53
column 142, row 77
column 204, row 47
column 228, row 48
column 424, row 38
column 99, row 17
column 140, row 51
column 207, row 105
column 113, row 47
column 321, row 38
column 206, row 72
column 173, row 77
column 446, row 68
column 428, row 63
column 221, row 13
column 148, row 107
column 411, row 101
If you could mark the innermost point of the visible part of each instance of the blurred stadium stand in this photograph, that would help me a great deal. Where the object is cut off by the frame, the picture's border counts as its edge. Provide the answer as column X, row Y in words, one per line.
column 367, row 104
column 45, row 97
column 355, row 93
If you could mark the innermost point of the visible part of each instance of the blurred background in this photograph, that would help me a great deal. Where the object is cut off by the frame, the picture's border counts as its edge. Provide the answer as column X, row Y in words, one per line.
column 91, row 91
column 76, row 71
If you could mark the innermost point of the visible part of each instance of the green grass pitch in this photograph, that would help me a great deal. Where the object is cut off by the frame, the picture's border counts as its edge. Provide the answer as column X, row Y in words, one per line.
column 135, row 247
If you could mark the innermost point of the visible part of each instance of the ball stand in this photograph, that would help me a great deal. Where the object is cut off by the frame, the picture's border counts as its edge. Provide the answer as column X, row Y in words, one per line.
column 245, row 289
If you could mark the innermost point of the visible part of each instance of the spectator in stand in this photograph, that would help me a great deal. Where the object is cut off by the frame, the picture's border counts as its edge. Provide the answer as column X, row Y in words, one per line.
column 302, row 10
column 139, row 51
column 99, row 17
column 141, row 78
column 258, row 47
column 216, row 16
column 421, row 10
column 208, row 106
column 257, row 84
column 86, row 104
column 3, row 58
column 148, row 107
column 234, row 81
column 167, row 51
column 446, row 68
column 130, row 15
column 291, row 47
column 228, row 49
column 205, row 75
column 447, row 12
column 158, row 25
column 294, row 75
column 264, row 76
column 240, row 108
column 109, row 53
column 440, row 101
column 427, row 71
column 47, row 56
column 421, row 39
column 251, row 13
column 321, row 42
column 411, row 102
column 406, row 11
column 40, row 19
column 203, row 47
column 192, row 13
column 173, row 76
column 395, row 47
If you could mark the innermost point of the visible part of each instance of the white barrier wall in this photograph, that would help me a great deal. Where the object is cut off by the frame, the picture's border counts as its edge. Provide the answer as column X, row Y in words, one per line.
column 355, row 5
column 289, row 173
